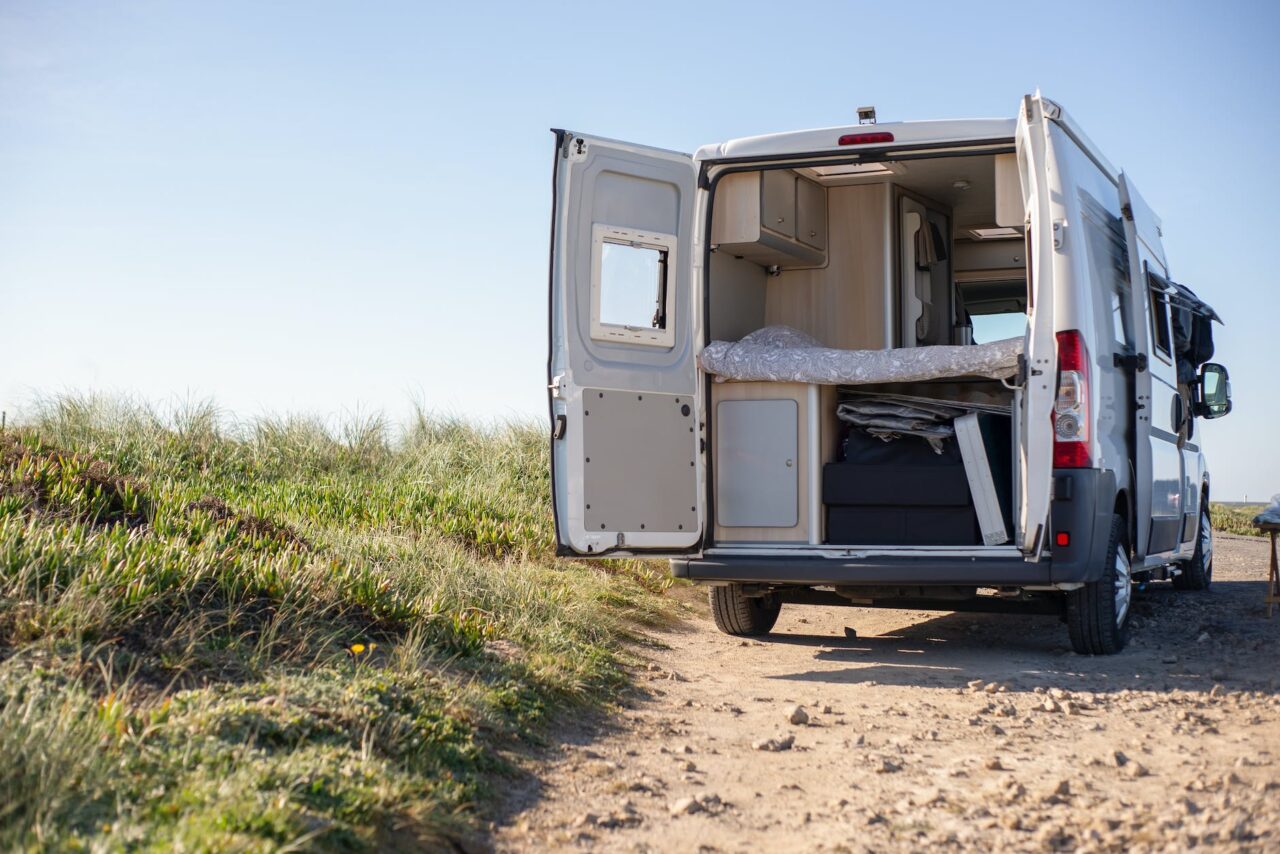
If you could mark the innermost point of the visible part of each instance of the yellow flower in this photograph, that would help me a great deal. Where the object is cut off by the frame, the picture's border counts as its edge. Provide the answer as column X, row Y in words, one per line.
column 357, row 648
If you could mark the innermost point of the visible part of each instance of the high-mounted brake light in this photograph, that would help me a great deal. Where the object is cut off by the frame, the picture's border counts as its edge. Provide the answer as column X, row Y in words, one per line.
column 1071, row 409
column 866, row 138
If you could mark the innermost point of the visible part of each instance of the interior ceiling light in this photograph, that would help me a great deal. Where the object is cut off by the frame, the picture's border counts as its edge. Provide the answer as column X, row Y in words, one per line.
column 960, row 183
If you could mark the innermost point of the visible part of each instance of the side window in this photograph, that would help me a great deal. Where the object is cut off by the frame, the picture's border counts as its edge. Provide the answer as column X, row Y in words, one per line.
column 1160, row 334
column 632, row 290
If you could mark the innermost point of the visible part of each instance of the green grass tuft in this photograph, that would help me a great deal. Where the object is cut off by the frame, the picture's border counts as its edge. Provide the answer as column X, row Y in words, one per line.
column 280, row 634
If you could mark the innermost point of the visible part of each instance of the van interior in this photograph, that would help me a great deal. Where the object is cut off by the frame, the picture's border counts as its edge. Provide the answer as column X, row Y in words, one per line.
column 865, row 257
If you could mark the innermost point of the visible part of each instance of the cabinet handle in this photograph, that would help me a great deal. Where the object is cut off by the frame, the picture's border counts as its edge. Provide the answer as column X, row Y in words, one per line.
column 813, row 234
column 780, row 219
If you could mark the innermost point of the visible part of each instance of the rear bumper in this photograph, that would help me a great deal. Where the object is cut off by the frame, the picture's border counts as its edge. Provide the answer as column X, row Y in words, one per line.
column 915, row 570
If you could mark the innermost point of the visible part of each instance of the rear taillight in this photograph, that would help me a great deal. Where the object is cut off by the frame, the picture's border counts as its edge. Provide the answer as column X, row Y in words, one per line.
column 866, row 138
column 1071, row 409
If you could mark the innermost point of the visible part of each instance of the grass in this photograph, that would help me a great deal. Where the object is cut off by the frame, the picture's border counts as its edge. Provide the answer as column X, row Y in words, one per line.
column 1235, row 518
column 280, row 636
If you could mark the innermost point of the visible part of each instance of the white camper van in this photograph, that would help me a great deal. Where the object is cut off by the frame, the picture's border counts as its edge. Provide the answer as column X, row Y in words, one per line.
column 912, row 364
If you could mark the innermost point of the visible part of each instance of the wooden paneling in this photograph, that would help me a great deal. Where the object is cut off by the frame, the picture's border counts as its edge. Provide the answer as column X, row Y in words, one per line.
column 829, row 436
column 843, row 304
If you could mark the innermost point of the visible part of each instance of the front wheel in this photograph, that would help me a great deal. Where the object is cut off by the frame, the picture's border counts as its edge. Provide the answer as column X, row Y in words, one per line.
column 1098, row 612
column 738, row 614
column 1197, row 574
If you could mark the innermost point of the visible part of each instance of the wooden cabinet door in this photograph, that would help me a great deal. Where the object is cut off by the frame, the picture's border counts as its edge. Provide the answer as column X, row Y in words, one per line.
column 811, row 214
column 778, row 201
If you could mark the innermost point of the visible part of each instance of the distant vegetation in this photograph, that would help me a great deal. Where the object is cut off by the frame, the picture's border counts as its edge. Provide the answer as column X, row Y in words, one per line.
column 1235, row 518
column 277, row 634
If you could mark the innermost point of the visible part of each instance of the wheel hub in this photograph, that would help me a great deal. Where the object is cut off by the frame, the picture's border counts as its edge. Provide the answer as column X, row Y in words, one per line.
column 1124, row 586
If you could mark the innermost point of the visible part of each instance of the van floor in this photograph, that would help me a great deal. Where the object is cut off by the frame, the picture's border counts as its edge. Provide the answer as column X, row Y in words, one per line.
column 983, row 730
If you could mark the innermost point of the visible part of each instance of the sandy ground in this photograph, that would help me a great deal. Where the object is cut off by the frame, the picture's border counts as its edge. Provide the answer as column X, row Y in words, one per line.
column 932, row 729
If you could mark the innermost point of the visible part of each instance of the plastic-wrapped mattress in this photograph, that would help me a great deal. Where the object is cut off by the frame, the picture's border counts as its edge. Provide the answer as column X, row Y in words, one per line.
column 783, row 354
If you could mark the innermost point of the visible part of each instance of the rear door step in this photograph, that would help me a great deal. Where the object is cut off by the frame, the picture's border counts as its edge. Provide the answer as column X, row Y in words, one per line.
column 936, row 569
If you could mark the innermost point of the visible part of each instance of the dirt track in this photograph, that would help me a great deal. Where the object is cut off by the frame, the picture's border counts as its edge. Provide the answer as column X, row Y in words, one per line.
column 928, row 729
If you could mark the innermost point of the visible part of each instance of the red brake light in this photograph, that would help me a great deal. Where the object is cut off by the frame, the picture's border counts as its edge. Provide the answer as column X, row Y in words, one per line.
column 1063, row 539
column 866, row 138
column 1071, row 409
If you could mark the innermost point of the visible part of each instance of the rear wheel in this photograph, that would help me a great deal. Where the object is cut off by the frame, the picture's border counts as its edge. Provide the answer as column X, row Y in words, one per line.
column 738, row 614
column 1098, row 613
column 1197, row 574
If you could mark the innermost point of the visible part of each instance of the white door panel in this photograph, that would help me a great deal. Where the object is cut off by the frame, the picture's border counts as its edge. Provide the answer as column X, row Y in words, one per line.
column 625, row 397
column 1042, row 197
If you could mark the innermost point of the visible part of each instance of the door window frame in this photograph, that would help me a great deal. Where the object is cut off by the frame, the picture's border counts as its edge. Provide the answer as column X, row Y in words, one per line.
column 660, row 336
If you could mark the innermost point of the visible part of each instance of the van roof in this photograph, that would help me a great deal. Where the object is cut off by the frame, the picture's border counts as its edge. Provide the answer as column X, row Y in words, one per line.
column 824, row 139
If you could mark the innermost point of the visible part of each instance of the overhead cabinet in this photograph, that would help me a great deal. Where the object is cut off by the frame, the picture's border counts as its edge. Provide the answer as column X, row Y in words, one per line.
column 774, row 218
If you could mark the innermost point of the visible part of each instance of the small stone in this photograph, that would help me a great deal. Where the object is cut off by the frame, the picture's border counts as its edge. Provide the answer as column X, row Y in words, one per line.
column 1118, row 759
column 886, row 766
column 850, row 632
column 686, row 806
column 1231, row 779
column 826, row 710
column 686, row 749
column 797, row 716
column 1137, row 769
column 1204, row 636
column 976, row 685
column 689, row 766
column 773, row 745
column 993, row 763
column 586, row 820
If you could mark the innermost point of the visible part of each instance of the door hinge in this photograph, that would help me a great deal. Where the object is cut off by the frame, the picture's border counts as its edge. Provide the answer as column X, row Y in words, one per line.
column 1130, row 361
column 556, row 386
column 575, row 148
column 1059, row 233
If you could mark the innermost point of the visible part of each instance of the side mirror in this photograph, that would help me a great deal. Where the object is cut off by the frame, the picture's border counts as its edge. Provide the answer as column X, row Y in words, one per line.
column 1212, row 391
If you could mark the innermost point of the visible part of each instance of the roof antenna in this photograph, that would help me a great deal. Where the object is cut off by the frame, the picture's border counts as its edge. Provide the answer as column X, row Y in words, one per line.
column 866, row 115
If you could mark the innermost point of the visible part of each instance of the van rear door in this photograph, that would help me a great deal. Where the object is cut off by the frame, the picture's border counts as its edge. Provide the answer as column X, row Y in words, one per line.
column 625, row 402
column 1039, row 188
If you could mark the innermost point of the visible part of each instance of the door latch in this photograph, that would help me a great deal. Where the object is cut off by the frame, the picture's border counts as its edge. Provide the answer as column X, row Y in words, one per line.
column 557, row 432
column 1130, row 361
column 555, row 386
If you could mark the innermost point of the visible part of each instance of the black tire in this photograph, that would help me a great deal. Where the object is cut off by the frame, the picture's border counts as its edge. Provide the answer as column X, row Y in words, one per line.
column 736, row 614
column 1098, row 613
column 1197, row 574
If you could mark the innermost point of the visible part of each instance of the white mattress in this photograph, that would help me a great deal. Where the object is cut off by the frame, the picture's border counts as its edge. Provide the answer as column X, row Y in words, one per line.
column 783, row 354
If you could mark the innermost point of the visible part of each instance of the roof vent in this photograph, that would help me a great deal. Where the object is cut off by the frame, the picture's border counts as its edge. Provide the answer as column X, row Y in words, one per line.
column 866, row 115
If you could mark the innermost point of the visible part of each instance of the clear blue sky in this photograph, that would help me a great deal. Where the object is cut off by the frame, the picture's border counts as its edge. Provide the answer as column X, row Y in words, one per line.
column 323, row 206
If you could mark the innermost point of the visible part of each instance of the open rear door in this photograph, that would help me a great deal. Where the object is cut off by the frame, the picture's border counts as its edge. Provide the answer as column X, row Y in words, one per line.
column 626, row 412
column 1039, row 189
